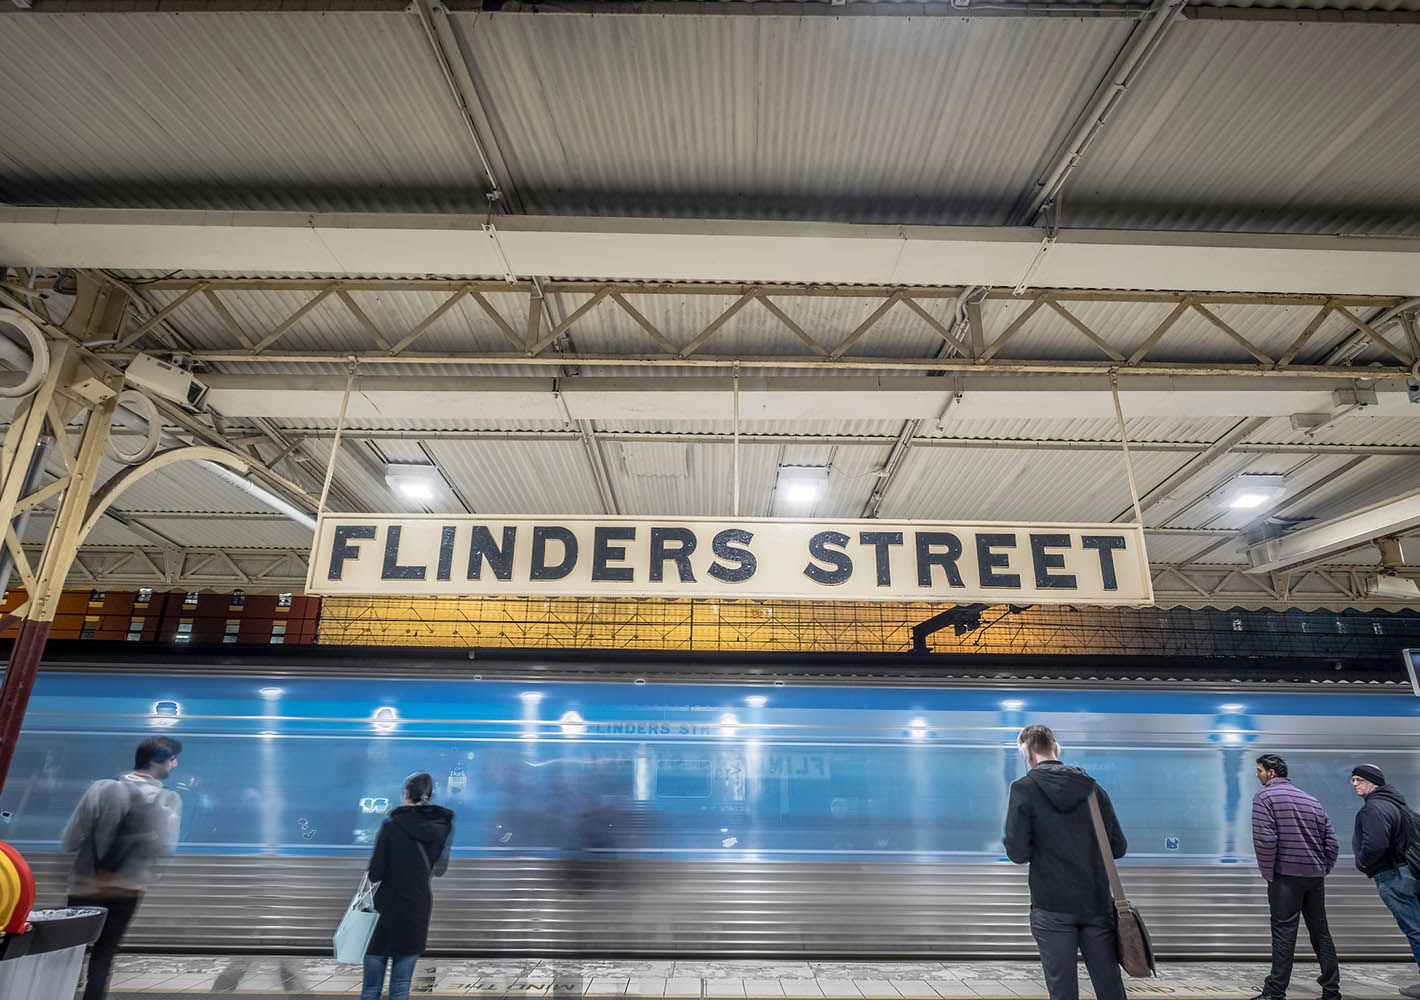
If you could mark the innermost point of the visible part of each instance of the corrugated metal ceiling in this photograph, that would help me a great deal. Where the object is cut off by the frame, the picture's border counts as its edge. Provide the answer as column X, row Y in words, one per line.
column 299, row 111
column 1245, row 127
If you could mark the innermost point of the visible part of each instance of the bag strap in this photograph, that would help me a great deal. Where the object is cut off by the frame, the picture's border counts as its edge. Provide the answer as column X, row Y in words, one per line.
column 1116, row 888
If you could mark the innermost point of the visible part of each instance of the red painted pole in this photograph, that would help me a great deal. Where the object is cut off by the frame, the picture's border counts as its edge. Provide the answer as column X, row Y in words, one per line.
column 19, row 682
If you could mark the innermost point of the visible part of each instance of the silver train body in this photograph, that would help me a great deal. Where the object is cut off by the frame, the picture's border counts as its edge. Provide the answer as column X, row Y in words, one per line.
column 755, row 820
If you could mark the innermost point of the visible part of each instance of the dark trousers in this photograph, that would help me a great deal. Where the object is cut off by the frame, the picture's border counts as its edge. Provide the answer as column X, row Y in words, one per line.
column 120, row 912
column 1062, row 936
column 1290, row 898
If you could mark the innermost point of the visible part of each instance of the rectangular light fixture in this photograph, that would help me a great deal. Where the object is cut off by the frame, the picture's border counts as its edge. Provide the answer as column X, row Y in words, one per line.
column 799, row 489
column 418, row 483
column 1252, row 491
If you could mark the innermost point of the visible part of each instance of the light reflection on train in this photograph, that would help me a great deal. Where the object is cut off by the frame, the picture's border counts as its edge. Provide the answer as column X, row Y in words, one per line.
column 561, row 770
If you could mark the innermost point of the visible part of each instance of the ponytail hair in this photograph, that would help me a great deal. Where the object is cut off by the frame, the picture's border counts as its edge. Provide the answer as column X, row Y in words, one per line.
column 419, row 788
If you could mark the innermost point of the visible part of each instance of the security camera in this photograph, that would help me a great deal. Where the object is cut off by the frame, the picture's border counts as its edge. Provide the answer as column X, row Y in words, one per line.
column 167, row 380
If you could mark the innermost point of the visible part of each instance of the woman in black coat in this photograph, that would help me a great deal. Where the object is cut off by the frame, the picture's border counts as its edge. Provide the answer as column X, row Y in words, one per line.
column 411, row 847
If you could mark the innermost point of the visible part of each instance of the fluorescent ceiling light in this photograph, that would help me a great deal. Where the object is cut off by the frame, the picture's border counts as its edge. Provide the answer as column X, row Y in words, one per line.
column 801, row 493
column 1251, row 491
column 413, row 482
column 798, row 489
column 1247, row 501
column 413, row 490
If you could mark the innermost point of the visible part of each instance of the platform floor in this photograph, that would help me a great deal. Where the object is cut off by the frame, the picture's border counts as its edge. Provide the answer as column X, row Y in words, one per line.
column 155, row 977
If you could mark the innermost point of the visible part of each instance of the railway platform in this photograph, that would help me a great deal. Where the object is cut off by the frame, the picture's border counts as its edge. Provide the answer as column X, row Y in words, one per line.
column 164, row 977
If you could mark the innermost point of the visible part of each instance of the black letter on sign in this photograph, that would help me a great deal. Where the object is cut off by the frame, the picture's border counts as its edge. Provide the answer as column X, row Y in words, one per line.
column 1047, row 561
column 819, row 549
column 446, row 551
column 1106, row 545
column 880, row 540
column 393, row 570
column 500, row 558
column 745, row 561
column 926, row 558
column 540, row 569
column 987, row 561
column 341, row 551
column 603, row 552
column 680, row 553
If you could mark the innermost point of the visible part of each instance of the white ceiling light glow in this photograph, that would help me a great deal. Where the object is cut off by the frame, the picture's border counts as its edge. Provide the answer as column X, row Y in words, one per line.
column 419, row 483
column 799, row 489
column 1251, row 491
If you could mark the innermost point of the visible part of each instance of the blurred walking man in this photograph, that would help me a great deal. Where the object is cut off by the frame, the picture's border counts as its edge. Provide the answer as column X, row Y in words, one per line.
column 119, row 829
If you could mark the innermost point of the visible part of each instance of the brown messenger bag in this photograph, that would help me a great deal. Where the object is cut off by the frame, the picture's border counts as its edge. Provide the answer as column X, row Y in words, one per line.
column 1136, row 951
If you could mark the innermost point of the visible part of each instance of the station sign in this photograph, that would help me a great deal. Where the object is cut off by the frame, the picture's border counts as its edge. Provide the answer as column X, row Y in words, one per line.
column 439, row 556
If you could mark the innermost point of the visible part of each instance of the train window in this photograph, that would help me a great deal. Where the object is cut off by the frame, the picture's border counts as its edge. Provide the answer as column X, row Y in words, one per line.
column 681, row 778
column 278, row 634
column 90, row 628
column 190, row 598
column 184, row 632
column 135, row 629
column 145, row 594
column 283, row 600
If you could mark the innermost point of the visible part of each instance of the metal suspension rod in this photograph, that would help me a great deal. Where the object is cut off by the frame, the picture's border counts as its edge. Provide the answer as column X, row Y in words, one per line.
column 735, row 488
column 1124, row 440
column 335, row 444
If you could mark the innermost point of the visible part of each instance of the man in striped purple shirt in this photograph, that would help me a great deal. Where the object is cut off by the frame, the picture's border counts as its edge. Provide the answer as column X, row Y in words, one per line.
column 1296, row 849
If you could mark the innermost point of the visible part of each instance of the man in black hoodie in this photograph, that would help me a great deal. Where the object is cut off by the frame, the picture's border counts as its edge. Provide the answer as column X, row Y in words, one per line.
column 1048, row 826
column 1379, row 841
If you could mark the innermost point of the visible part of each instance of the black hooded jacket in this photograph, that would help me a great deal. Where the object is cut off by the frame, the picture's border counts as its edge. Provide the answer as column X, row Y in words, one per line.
column 1379, row 837
column 411, row 847
column 1048, row 826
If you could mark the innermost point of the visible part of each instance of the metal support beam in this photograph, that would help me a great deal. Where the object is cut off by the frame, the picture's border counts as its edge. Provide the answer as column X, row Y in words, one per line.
column 455, row 66
column 1392, row 516
column 1142, row 44
column 752, row 252
column 766, row 397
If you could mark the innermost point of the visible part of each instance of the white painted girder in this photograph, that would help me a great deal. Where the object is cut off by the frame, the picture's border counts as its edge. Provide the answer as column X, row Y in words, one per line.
column 1391, row 516
column 698, row 250
column 920, row 397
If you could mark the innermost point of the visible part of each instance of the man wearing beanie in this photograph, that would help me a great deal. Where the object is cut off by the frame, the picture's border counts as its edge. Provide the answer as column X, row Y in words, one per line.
column 1380, row 838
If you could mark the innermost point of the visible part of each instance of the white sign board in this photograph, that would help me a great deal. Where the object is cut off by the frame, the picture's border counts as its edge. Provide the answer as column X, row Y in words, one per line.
column 436, row 555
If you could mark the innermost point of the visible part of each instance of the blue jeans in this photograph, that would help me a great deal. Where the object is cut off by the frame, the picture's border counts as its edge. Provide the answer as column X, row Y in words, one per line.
column 1398, row 890
column 401, row 972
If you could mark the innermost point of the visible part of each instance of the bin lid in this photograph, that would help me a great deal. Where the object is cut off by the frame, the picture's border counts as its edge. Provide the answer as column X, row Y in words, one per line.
column 55, row 930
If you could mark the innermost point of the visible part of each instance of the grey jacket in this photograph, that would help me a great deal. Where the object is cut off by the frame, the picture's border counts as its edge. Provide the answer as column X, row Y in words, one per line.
column 93, row 830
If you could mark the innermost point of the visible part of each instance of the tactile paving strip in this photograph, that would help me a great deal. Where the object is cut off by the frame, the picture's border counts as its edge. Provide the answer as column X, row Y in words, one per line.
column 187, row 977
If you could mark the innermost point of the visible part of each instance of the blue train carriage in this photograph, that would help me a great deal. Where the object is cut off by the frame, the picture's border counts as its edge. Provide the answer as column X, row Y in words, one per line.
column 693, row 772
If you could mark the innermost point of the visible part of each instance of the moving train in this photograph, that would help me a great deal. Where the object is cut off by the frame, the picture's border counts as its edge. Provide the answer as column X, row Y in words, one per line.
column 713, row 819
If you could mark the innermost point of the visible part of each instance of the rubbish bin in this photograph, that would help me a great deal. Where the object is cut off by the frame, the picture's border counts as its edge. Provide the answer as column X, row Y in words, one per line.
column 44, row 963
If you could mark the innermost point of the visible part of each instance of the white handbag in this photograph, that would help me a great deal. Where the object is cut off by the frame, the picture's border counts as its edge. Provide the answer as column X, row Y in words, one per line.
column 352, row 937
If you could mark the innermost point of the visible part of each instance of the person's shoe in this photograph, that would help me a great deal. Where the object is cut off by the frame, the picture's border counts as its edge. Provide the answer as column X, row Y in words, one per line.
column 1411, row 991
column 1267, row 996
